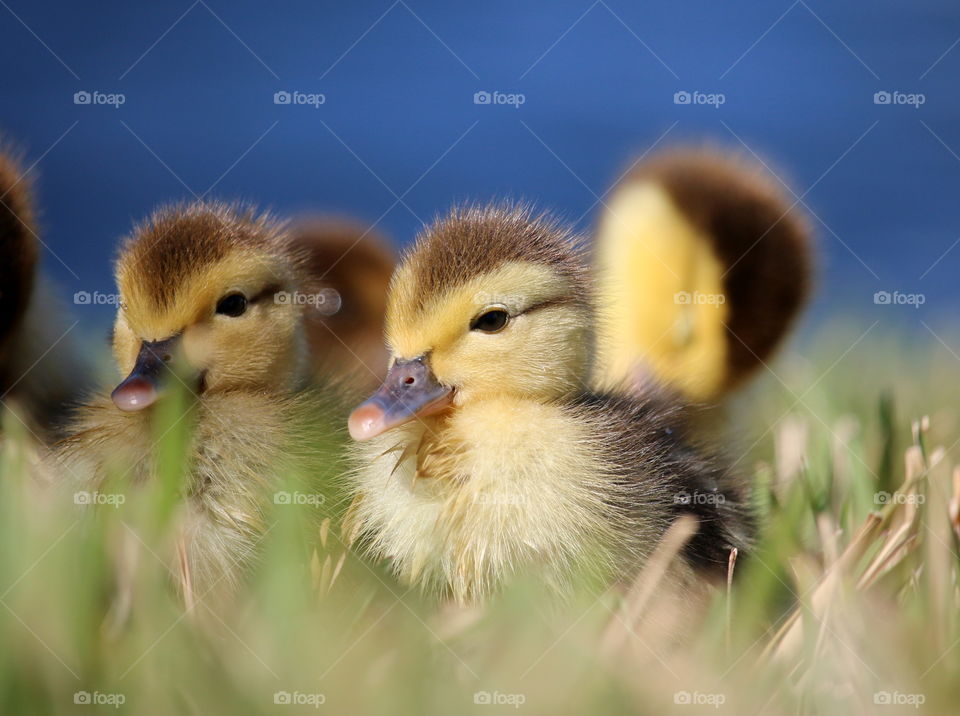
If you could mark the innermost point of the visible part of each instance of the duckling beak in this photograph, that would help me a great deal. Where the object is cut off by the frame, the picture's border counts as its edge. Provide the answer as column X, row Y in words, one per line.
column 409, row 391
column 142, row 387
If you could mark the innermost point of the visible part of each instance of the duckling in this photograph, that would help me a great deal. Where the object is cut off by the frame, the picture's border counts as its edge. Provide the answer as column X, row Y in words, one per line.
column 703, row 265
column 41, row 368
column 349, row 270
column 199, row 285
column 485, row 454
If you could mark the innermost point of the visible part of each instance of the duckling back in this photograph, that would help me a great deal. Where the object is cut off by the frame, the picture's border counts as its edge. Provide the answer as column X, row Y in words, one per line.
column 703, row 266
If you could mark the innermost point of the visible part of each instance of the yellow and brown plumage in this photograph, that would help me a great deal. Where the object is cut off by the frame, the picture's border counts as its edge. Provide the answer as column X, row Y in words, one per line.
column 703, row 265
column 485, row 454
column 199, row 287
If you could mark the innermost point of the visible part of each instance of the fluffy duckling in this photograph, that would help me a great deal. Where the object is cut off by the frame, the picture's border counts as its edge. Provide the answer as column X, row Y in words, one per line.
column 703, row 265
column 41, row 369
column 349, row 269
column 483, row 454
column 199, row 286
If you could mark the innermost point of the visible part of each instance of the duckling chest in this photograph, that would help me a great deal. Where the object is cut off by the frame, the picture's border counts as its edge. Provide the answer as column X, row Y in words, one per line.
column 505, row 455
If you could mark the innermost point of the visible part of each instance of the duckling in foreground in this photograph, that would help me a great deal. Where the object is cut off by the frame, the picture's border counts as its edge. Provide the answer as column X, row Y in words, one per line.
column 484, row 455
column 199, row 286
column 703, row 265
column 41, row 369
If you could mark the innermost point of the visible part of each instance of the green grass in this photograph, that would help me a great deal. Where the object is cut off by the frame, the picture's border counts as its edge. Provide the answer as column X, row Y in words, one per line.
column 818, row 621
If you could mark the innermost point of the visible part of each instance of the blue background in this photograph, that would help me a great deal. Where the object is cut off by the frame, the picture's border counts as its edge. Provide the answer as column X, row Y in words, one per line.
column 399, row 119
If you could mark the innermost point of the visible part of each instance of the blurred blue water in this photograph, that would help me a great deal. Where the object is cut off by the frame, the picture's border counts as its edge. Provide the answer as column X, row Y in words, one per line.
column 399, row 118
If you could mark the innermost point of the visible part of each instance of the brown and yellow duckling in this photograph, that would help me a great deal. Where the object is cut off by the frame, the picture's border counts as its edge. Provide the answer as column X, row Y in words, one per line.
column 349, row 268
column 484, row 454
column 199, row 289
column 703, row 266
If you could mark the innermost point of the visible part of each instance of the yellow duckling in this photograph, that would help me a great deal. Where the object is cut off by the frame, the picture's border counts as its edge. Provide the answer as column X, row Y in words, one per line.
column 483, row 454
column 201, row 286
column 41, row 369
column 703, row 265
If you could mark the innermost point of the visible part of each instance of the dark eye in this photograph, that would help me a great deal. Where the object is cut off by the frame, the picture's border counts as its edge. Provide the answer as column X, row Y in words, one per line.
column 233, row 305
column 491, row 321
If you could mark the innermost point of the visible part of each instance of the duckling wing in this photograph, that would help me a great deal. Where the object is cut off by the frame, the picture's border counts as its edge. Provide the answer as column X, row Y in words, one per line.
column 657, row 471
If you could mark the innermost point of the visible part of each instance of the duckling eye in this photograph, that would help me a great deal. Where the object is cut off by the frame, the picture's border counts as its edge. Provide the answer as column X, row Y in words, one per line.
column 491, row 321
column 233, row 305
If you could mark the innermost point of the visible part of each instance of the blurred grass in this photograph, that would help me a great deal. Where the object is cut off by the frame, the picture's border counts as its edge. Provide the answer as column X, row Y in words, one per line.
column 87, row 607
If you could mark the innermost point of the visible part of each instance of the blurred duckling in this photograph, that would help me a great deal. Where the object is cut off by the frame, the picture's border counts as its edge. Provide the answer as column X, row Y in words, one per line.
column 484, row 454
column 199, row 287
column 349, row 268
column 41, row 367
column 703, row 265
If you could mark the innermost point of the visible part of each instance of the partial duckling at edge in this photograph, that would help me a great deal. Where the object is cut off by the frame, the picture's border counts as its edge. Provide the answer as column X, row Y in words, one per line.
column 42, row 370
column 199, row 288
column 484, row 454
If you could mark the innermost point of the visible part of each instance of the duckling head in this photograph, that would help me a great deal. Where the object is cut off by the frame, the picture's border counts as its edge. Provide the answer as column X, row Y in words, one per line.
column 208, row 285
column 489, row 302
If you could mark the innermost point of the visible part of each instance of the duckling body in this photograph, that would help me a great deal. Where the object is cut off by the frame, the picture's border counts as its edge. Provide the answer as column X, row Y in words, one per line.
column 199, row 289
column 486, row 455
column 703, row 266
